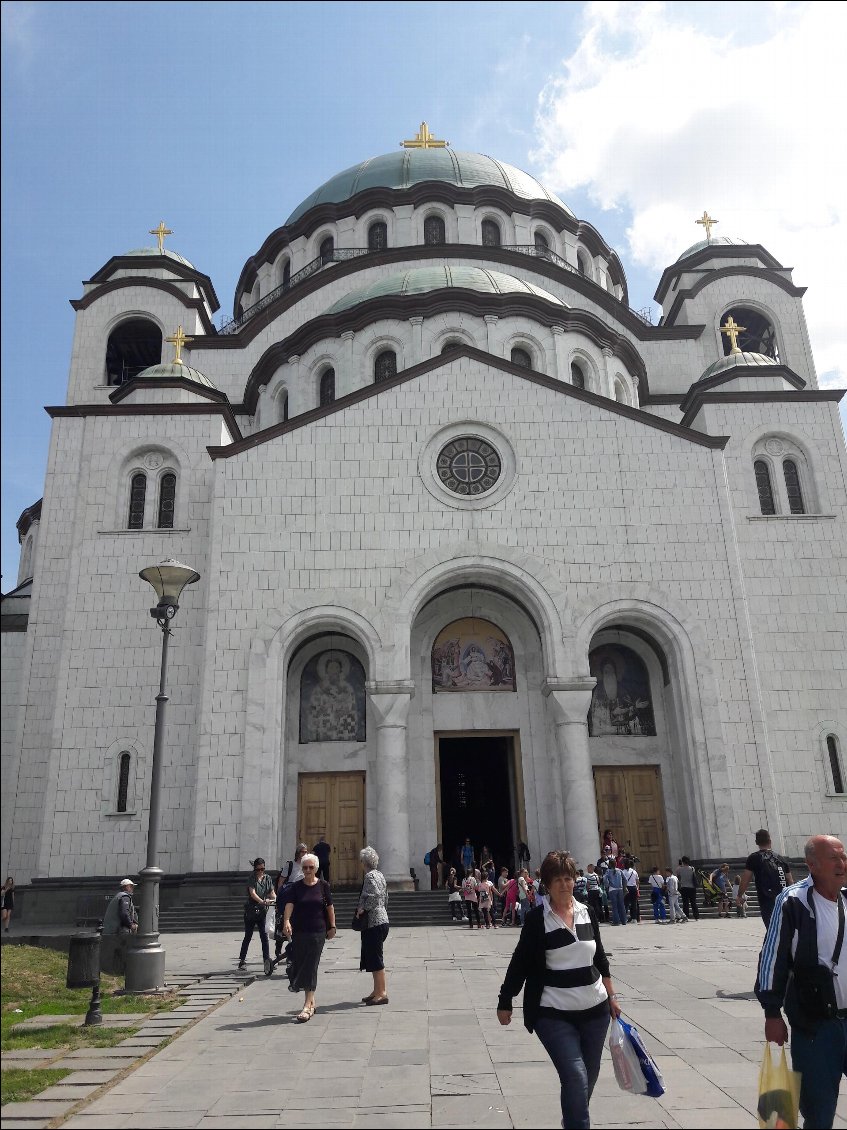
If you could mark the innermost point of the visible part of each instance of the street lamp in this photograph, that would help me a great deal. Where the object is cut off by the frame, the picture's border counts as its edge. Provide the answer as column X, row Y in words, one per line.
column 145, row 959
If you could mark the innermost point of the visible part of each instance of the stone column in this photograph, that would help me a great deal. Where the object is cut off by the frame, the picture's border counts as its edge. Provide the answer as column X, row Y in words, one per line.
column 490, row 328
column 561, row 357
column 390, row 702
column 345, row 378
column 569, row 701
column 417, row 339
column 608, row 382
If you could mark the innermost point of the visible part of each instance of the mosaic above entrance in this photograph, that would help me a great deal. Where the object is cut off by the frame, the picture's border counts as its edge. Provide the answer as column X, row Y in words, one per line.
column 621, row 702
column 332, row 699
column 472, row 655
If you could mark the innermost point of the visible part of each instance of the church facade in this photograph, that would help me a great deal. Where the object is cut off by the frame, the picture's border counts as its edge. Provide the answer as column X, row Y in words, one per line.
column 482, row 551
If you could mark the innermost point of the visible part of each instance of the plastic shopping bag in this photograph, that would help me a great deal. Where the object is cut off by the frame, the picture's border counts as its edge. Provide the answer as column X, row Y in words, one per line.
column 779, row 1091
column 652, row 1075
column 270, row 921
column 625, row 1061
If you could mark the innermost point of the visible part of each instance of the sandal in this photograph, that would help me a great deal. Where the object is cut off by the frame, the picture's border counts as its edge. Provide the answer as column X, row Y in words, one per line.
column 377, row 1000
column 306, row 1014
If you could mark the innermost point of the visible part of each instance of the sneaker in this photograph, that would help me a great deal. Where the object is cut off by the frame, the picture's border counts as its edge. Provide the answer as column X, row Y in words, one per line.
column 241, row 964
column 267, row 965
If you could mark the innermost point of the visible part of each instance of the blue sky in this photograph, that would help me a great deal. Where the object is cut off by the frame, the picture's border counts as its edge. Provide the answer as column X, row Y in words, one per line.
column 219, row 118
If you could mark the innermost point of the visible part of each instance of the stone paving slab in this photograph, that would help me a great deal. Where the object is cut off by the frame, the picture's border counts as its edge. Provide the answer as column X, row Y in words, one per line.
column 34, row 1109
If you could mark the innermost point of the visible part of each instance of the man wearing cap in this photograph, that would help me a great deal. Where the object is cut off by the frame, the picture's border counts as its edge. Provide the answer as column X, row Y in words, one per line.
column 121, row 916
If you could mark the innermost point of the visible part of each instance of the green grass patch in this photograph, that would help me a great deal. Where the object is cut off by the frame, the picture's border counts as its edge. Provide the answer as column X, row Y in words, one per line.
column 18, row 1086
column 65, row 1037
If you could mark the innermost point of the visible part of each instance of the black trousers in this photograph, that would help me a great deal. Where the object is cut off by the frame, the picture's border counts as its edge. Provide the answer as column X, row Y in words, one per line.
column 473, row 906
column 250, row 924
column 689, row 902
column 632, row 903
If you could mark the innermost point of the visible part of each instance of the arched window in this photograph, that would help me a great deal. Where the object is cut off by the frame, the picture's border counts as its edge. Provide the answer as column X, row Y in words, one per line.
column 167, row 499
column 327, row 388
column 133, row 346
column 621, row 392
column 282, row 407
column 286, row 273
column 385, row 365
column 582, row 264
column 490, row 233
column 137, row 496
column 542, row 244
column 577, row 375
column 764, row 487
column 327, row 249
column 792, row 487
column 124, row 762
column 450, row 346
column 434, row 230
column 378, row 236
column 835, row 771
column 521, row 357
column 757, row 336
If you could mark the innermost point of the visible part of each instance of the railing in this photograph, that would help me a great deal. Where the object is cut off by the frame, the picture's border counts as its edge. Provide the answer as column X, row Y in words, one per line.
column 341, row 255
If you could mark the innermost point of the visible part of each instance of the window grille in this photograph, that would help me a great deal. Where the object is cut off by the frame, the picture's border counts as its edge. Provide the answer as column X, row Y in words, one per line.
column 385, row 366
column 490, row 233
column 577, row 376
column 792, row 487
column 378, row 236
column 327, row 391
column 434, row 230
column 541, row 242
column 123, row 782
column 521, row 357
column 167, row 498
column 764, row 487
column 326, row 249
column 137, row 495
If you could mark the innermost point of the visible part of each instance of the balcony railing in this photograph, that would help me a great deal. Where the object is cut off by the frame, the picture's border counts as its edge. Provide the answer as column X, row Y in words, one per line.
column 341, row 255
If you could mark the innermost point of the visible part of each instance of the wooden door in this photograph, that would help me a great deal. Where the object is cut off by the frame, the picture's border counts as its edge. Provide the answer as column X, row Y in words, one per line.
column 333, row 804
column 629, row 801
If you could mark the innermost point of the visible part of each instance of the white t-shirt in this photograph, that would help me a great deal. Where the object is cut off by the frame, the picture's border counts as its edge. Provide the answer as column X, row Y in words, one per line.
column 826, row 913
column 630, row 876
column 672, row 884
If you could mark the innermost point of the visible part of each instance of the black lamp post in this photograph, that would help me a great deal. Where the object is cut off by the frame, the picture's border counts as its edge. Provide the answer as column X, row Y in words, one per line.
column 145, row 959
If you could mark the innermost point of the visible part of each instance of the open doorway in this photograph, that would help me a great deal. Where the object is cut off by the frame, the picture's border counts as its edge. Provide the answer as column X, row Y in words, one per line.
column 478, row 795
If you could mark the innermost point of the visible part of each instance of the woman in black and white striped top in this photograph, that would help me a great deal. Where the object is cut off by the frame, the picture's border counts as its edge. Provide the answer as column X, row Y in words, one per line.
column 569, row 996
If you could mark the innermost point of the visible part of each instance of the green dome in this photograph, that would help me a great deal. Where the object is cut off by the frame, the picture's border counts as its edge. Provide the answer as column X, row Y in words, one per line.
column 419, row 280
column 718, row 241
column 408, row 167
column 738, row 361
column 140, row 252
column 170, row 371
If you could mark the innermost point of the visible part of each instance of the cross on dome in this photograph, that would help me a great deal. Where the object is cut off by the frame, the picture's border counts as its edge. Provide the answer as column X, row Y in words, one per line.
column 160, row 232
column 708, row 223
column 732, row 330
column 424, row 140
column 178, row 340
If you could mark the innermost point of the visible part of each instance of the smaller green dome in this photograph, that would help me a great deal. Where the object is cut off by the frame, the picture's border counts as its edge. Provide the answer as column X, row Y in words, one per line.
column 738, row 361
column 142, row 252
column 171, row 371
column 718, row 241
column 420, row 280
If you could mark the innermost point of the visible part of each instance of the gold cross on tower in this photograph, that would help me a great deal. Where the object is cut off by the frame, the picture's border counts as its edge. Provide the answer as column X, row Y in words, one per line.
column 160, row 232
column 732, row 331
column 707, row 222
column 178, row 340
column 424, row 140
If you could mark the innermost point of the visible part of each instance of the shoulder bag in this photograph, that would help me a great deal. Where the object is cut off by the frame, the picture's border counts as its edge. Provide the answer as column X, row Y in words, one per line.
column 358, row 923
column 814, row 985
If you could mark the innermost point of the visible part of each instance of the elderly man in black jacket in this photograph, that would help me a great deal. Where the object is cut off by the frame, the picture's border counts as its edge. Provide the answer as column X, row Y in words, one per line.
column 803, row 968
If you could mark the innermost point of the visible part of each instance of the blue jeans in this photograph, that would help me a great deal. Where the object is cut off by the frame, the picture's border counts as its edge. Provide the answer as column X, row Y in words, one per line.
column 576, row 1050
column 617, row 906
column 822, row 1059
column 658, row 904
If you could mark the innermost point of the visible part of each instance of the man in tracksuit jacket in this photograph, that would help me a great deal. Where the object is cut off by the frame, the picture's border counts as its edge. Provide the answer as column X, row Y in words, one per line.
column 804, row 933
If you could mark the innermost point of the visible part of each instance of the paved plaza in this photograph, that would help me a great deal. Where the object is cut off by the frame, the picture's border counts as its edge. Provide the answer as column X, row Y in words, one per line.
column 436, row 1056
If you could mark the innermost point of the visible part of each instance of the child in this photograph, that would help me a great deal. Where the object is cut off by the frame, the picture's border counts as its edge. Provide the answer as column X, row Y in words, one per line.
column 672, row 888
column 740, row 911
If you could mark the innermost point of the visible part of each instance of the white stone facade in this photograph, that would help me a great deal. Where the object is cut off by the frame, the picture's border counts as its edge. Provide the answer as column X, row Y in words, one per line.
column 611, row 524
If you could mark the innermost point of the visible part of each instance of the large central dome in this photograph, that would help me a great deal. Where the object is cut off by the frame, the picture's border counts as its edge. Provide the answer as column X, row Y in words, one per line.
column 408, row 167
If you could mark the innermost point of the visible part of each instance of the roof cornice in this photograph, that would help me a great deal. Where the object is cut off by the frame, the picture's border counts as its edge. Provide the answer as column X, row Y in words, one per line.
column 154, row 284
column 715, row 251
column 739, row 372
column 801, row 396
column 416, row 371
column 206, row 391
column 708, row 277
column 81, row 411
column 166, row 263
column 28, row 516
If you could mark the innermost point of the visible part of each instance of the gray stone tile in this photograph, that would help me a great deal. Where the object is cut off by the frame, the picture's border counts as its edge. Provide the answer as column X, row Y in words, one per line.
column 66, row 1094
column 485, row 1110
column 386, row 1057
column 103, row 1067
column 456, row 1084
column 35, row 1108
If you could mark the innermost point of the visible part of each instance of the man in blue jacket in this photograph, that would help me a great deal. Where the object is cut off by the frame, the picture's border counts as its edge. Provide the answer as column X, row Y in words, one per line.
column 803, row 968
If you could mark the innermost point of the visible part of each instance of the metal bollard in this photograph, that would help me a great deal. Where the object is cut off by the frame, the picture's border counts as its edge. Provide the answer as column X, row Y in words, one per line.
column 84, row 972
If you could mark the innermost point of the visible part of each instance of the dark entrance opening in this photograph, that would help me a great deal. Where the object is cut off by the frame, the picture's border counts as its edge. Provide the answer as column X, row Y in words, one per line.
column 476, row 796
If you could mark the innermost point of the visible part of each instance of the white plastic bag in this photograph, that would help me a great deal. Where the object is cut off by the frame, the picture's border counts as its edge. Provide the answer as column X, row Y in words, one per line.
column 270, row 921
column 625, row 1061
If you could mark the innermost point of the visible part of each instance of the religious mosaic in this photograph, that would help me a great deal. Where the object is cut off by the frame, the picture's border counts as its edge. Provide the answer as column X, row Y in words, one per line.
column 472, row 655
column 620, row 702
column 332, row 699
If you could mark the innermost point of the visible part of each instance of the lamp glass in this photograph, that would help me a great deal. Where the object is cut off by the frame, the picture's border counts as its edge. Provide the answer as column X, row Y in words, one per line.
column 169, row 578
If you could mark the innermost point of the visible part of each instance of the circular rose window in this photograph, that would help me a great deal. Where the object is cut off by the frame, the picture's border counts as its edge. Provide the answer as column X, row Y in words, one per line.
column 468, row 465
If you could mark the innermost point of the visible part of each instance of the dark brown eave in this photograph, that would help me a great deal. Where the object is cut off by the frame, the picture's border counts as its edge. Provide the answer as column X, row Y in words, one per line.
column 416, row 371
column 708, row 277
column 154, row 284
column 81, row 411
column 714, row 251
column 448, row 300
column 122, row 391
column 174, row 266
column 805, row 396
column 28, row 516
column 418, row 195
column 739, row 372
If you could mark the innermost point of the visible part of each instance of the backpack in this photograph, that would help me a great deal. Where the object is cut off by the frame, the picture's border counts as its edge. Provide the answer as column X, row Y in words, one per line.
column 770, row 879
column 426, row 859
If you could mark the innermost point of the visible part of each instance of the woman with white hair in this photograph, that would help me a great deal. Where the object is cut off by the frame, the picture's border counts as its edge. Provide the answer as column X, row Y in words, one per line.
column 310, row 916
column 372, row 903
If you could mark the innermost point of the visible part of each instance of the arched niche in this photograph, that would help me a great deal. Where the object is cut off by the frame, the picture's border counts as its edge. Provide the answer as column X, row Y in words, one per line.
column 472, row 655
column 332, row 698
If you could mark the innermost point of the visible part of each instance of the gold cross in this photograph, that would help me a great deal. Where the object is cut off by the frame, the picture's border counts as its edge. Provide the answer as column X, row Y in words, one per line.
column 707, row 222
column 732, row 331
column 424, row 140
column 178, row 340
column 160, row 232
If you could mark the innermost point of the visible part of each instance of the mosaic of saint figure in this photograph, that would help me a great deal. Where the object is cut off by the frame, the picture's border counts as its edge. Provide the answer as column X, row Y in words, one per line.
column 332, row 699
column 472, row 655
column 620, row 702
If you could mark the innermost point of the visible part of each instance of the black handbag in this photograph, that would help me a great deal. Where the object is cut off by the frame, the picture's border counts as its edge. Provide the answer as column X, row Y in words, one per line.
column 358, row 923
column 254, row 912
column 814, row 986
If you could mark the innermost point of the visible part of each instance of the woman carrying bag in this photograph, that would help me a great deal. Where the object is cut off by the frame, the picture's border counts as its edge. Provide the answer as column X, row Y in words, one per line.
column 372, row 914
column 310, row 917
column 260, row 895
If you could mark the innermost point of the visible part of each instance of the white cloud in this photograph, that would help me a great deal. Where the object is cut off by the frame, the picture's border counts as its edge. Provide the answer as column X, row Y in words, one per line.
column 18, row 30
column 664, row 110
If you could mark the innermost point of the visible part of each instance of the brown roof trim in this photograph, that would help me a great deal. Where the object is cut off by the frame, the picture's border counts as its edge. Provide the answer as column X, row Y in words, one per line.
column 709, row 384
column 709, row 277
column 183, row 270
column 802, row 396
column 714, row 251
column 661, row 398
column 437, row 302
column 424, row 192
column 410, row 374
column 81, row 411
column 205, row 391
column 28, row 516
column 153, row 284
